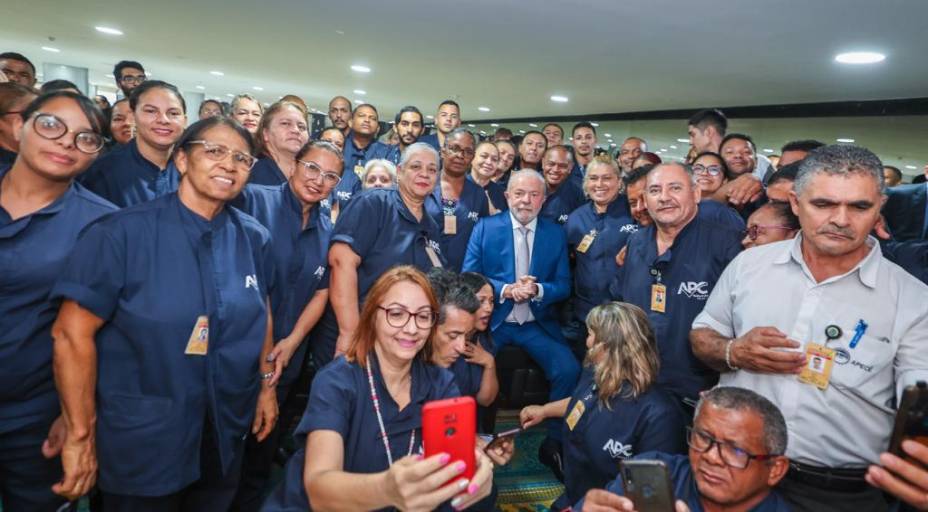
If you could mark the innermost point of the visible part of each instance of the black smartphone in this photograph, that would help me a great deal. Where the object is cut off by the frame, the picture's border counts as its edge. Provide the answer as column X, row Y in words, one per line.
column 502, row 435
column 647, row 484
column 911, row 419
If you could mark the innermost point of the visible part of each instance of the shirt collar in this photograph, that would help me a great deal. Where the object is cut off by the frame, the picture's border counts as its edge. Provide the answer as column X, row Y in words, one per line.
column 868, row 267
column 516, row 224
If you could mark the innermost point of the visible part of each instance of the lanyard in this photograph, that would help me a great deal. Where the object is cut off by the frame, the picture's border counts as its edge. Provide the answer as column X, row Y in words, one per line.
column 383, row 431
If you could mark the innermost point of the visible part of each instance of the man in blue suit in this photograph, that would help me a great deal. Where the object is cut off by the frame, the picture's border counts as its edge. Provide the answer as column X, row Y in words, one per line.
column 906, row 212
column 525, row 259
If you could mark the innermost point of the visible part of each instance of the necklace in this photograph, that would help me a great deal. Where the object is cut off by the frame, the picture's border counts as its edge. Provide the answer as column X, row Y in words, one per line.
column 383, row 430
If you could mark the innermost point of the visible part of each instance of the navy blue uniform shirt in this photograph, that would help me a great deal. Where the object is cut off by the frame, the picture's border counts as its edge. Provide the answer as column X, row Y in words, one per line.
column 125, row 178
column 470, row 207
column 689, row 270
column 495, row 193
column 340, row 401
column 380, row 229
column 609, row 231
column 603, row 436
column 721, row 213
column 149, row 272
column 432, row 140
column 7, row 157
column 389, row 152
column 354, row 160
column 558, row 205
column 684, row 485
column 300, row 254
column 266, row 172
column 34, row 250
column 468, row 376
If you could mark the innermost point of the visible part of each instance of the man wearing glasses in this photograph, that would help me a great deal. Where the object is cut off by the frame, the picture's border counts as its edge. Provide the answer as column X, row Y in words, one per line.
column 128, row 75
column 736, row 447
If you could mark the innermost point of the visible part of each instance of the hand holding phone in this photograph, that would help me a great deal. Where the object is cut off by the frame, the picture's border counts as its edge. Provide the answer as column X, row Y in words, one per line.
column 450, row 426
column 647, row 484
column 911, row 419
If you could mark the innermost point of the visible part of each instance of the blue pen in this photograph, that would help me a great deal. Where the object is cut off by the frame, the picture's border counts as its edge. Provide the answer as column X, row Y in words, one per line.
column 858, row 333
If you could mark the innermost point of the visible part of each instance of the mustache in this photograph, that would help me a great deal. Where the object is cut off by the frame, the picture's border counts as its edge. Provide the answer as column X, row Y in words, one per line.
column 831, row 229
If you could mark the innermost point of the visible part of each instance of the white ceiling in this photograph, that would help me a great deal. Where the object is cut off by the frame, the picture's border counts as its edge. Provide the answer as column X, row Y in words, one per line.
column 511, row 56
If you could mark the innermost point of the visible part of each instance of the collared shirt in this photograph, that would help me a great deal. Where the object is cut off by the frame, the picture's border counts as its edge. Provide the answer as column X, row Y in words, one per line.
column 608, row 232
column 602, row 436
column 496, row 194
column 340, row 401
column 125, row 178
column 849, row 423
column 150, row 272
column 688, row 270
column 380, row 229
column 390, row 152
column 577, row 173
column 432, row 140
column 517, row 249
column 7, row 157
column 558, row 204
column 466, row 211
column 722, row 214
column 354, row 160
column 34, row 250
column 266, row 172
column 684, row 485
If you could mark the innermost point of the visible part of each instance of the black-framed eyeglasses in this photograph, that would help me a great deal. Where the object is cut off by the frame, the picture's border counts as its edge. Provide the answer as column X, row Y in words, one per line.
column 398, row 317
column 218, row 152
column 756, row 230
column 730, row 454
column 310, row 171
column 711, row 170
column 132, row 79
column 455, row 150
column 51, row 127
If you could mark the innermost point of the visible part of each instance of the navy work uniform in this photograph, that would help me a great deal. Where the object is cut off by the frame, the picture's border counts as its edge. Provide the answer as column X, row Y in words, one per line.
column 684, row 485
column 456, row 219
column 496, row 195
column 33, row 251
column 125, row 178
column 355, row 158
column 558, row 204
column 672, row 289
column 266, row 172
column 721, row 213
column 7, row 157
column 184, row 304
column 340, row 401
column 596, row 438
column 383, row 232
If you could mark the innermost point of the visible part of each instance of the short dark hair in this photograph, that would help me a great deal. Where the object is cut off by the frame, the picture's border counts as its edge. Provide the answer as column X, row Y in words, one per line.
column 784, row 212
column 786, row 173
column 441, row 280
column 737, row 136
column 196, row 130
column 88, row 107
column 709, row 117
column 502, row 130
column 895, row 170
column 18, row 56
column 155, row 84
column 637, row 174
column 806, row 145
column 450, row 102
column 717, row 156
column 451, row 292
column 368, row 105
column 582, row 124
column 474, row 281
column 123, row 64
column 408, row 108
column 554, row 125
column 536, row 132
column 740, row 399
column 204, row 102
column 58, row 85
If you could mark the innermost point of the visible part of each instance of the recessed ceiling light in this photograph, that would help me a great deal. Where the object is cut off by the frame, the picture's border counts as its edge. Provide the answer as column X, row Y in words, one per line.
column 684, row 140
column 612, row 145
column 258, row 88
column 860, row 57
column 360, row 69
column 847, row 141
column 595, row 125
column 340, row 32
column 533, row 125
column 521, row 131
column 471, row 125
column 50, row 49
column 110, row 31
column 608, row 135
column 230, row 95
column 494, row 125
column 559, row 99
column 359, row 102
column 911, row 167
column 430, row 117
column 482, row 132
column 768, row 150
column 110, row 76
column 217, row 73
column 360, row 92
column 483, row 109
column 200, row 87
column 673, row 147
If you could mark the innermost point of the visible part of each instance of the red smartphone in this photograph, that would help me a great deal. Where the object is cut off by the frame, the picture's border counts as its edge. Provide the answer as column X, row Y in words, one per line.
column 450, row 426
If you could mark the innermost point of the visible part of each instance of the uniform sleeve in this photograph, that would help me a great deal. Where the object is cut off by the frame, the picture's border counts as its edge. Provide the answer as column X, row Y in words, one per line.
column 718, row 314
column 447, row 387
column 96, row 271
column 662, row 429
column 331, row 401
column 358, row 224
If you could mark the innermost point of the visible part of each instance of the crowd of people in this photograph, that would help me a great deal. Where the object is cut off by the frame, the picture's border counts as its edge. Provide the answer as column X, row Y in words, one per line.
column 170, row 285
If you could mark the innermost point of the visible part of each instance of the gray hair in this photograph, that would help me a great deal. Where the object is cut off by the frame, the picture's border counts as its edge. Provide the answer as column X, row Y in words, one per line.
column 740, row 399
column 559, row 147
column 458, row 132
column 839, row 160
column 531, row 173
column 386, row 164
column 686, row 168
column 416, row 148
column 238, row 99
column 324, row 146
column 595, row 163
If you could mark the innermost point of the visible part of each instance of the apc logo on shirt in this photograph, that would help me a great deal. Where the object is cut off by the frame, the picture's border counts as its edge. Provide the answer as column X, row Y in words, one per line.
column 617, row 450
column 343, row 195
column 326, row 203
column 434, row 245
column 473, row 216
column 562, row 219
column 320, row 270
column 629, row 228
column 694, row 289
column 251, row 281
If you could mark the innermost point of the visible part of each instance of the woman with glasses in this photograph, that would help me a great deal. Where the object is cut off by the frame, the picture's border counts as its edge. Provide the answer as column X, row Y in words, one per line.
column 282, row 131
column 163, row 337
column 300, row 233
column 361, row 436
column 141, row 170
column 770, row 223
column 711, row 173
column 482, row 171
column 42, row 210
column 247, row 111
column 378, row 173
column 617, row 409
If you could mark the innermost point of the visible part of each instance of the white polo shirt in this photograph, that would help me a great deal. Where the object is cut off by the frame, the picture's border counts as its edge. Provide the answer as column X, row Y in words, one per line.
column 849, row 423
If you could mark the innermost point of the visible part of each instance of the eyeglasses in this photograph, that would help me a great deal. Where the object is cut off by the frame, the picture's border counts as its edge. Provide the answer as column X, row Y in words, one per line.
column 398, row 317
column 310, row 171
column 730, row 454
column 756, row 230
column 132, row 79
column 218, row 153
column 455, row 150
column 711, row 170
column 52, row 128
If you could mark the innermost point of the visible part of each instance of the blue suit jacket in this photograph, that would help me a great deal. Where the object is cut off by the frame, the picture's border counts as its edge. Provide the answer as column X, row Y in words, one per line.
column 904, row 211
column 490, row 253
